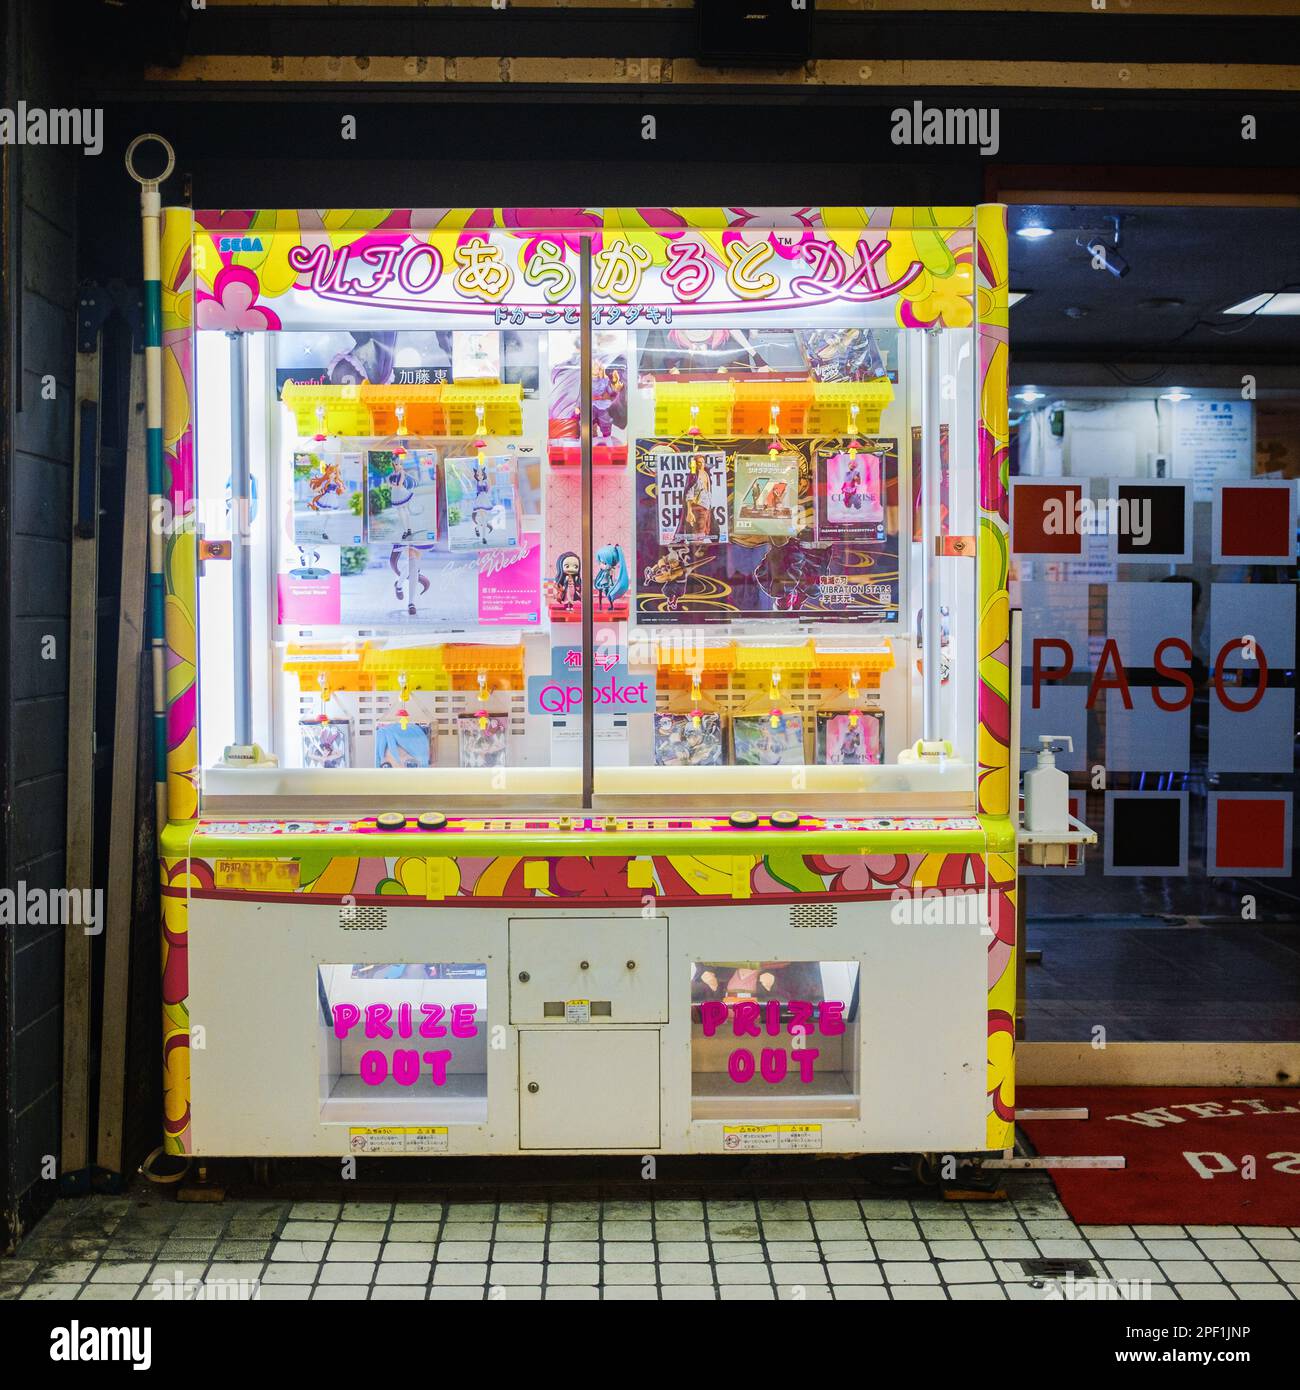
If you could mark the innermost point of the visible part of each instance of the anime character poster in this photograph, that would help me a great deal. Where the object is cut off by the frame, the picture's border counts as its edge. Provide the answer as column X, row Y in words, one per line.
column 403, row 747
column 389, row 358
column 424, row 585
column 402, row 495
column 521, row 360
column 682, row 741
column 687, row 353
column 608, row 388
column 326, row 743
column 843, row 741
column 851, row 487
column 765, row 492
column 475, row 355
column 482, row 503
column 734, row 980
column 307, row 584
column 482, row 739
column 764, row 740
column 691, row 489
column 684, row 578
column 328, row 498
column 842, row 354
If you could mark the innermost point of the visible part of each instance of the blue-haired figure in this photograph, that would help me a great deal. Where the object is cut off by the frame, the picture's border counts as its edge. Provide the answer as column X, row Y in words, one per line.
column 611, row 581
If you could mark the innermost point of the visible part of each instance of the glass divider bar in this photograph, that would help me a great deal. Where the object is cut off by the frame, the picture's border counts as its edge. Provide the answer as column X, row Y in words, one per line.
column 588, row 557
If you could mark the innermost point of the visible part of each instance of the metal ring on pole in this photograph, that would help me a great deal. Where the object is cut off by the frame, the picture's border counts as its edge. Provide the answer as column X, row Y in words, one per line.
column 130, row 165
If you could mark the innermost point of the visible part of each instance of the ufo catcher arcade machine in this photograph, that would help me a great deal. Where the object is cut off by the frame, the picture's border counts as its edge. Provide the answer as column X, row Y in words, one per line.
column 587, row 681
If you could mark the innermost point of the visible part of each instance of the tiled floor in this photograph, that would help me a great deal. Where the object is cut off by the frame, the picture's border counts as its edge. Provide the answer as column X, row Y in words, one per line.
column 148, row 1246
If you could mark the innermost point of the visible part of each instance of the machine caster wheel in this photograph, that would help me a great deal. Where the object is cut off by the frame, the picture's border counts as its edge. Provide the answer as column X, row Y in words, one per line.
column 262, row 1172
column 925, row 1169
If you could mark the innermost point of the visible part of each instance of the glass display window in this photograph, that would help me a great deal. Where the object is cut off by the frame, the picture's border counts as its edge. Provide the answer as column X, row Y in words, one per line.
column 615, row 519
column 403, row 1043
column 774, row 1040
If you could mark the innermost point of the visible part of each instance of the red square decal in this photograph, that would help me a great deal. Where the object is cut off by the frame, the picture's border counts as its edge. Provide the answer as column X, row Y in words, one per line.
column 1045, row 518
column 1251, row 834
column 1256, row 521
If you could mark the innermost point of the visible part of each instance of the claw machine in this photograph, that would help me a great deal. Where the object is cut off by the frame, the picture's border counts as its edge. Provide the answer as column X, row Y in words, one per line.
column 587, row 681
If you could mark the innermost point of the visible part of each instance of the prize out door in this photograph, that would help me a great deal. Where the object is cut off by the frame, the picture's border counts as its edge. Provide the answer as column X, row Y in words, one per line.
column 589, row 1088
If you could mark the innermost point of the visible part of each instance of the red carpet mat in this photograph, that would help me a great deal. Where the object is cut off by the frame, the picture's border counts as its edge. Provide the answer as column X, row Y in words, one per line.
column 1190, row 1150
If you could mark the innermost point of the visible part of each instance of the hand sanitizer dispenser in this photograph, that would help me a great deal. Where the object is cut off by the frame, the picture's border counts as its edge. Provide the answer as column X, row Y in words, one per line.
column 1047, row 789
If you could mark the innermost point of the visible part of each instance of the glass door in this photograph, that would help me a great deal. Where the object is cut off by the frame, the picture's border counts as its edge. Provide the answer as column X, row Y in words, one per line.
column 395, row 622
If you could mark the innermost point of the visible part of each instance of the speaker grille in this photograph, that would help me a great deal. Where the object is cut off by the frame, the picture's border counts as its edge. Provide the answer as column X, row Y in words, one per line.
column 369, row 918
column 814, row 915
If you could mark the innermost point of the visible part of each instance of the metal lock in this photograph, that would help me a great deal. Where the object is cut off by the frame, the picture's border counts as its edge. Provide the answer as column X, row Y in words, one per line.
column 524, row 977
column 533, row 1088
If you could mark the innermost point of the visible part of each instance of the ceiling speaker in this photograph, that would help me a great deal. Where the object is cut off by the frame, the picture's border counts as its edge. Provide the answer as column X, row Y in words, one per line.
column 770, row 33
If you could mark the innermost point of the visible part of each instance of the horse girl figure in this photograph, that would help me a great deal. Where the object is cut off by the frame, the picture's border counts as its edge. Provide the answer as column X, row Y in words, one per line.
column 328, row 482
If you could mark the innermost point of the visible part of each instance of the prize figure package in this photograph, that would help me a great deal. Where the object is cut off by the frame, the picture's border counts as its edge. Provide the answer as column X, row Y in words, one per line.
column 684, row 740
column 326, row 743
column 763, row 740
column 403, row 747
column 482, row 739
column 482, row 503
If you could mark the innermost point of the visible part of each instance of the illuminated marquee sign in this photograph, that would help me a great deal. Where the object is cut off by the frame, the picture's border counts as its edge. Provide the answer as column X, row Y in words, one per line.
column 534, row 279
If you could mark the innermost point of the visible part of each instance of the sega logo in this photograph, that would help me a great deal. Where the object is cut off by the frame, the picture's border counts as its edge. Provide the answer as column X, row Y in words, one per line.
column 240, row 243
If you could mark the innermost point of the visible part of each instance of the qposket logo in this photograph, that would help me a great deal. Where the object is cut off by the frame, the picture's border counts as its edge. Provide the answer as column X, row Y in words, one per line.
column 919, row 124
column 77, row 1343
column 43, row 125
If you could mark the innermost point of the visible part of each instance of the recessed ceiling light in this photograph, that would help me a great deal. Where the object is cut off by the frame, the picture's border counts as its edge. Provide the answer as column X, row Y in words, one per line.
column 1015, row 296
column 1029, row 395
column 1267, row 304
column 1033, row 232
column 1176, row 395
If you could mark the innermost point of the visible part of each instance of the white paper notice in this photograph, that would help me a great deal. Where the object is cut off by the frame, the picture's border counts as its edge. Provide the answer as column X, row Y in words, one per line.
column 1212, row 441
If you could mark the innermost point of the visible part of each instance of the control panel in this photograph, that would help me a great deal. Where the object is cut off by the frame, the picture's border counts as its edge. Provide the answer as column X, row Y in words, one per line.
column 431, row 823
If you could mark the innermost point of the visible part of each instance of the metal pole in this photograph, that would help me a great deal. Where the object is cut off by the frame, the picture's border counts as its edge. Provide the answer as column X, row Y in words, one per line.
column 159, row 524
column 240, row 513
column 1021, row 883
column 932, row 656
column 588, row 555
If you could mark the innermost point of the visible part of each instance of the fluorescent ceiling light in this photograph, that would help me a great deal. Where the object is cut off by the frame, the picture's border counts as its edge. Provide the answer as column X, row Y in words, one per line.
column 1033, row 232
column 1176, row 395
column 1267, row 304
column 1029, row 395
column 1015, row 296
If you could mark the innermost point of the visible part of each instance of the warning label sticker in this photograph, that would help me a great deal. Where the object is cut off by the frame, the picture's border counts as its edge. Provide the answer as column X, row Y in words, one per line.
column 393, row 1140
column 772, row 1138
